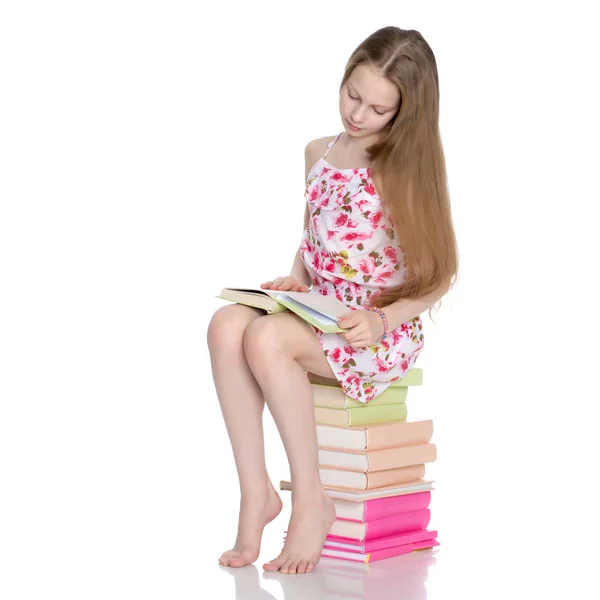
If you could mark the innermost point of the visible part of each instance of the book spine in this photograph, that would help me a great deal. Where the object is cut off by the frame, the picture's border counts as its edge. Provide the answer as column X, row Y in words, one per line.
column 404, row 456
column 360, row 478
column 417, row 519
column 381, row 508
column 407, row 433
column 399, row 550
column 390, row 396
column 376, row 414
column 409, row 537
column 379, row 479
column 331, row 553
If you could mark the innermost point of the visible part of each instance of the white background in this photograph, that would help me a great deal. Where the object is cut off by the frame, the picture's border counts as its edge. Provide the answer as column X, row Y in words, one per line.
column 152, row 153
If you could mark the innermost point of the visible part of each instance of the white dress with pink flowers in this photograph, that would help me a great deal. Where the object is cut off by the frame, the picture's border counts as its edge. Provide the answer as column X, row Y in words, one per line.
column 350, row 249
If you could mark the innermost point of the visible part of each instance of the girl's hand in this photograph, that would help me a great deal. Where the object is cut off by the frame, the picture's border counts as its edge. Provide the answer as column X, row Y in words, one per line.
column 365, row 327
column 285, row 284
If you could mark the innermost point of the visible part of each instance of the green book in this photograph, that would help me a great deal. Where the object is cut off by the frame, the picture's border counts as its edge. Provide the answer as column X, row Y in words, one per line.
column 332, row 396
column 413, row 377
column 364, row 415
column 316, row 309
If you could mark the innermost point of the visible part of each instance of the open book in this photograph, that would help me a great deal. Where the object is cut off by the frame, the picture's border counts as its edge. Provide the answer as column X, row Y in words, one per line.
column 320, row 311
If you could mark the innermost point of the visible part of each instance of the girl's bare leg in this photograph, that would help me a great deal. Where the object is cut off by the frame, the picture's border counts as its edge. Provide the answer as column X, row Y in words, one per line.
column 242, row 405
column 279, row 349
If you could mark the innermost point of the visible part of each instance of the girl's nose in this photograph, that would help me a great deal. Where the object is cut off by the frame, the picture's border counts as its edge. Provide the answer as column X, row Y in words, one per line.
column 358, row 116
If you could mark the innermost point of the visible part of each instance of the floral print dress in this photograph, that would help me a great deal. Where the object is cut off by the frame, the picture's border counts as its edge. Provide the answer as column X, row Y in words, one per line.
column 351, row 251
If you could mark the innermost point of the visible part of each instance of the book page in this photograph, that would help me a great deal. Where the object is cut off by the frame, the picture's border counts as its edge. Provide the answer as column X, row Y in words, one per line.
column 329, row 306
column 317, row 316
column 256, row 291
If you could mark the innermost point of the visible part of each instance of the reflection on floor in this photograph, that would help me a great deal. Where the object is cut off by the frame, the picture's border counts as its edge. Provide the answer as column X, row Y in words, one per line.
column 393, row 578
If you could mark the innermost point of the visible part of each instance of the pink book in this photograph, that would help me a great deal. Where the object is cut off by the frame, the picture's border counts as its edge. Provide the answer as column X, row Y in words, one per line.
column 410, row 537
column 380, row 508
column 359, row 532
column 409, row 521
column 379, row 554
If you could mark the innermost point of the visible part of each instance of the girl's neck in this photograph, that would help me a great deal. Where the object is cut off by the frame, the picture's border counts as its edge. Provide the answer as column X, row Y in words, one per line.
column 356, row 147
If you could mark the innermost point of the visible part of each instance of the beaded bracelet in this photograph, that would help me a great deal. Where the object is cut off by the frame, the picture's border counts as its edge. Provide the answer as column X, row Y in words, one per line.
column 386, row 327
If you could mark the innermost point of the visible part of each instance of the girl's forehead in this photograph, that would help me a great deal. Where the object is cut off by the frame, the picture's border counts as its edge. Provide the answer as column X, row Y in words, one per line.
column 371, row 84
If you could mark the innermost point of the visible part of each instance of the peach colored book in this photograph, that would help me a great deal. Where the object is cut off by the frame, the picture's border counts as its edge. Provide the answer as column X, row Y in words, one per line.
column 391, row 434
column 356, row 480
column 409, row 487
column 378, row 460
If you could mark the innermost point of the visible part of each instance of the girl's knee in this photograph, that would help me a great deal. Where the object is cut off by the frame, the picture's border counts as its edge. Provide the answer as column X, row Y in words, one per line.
column 260, row 336
column 228, row 324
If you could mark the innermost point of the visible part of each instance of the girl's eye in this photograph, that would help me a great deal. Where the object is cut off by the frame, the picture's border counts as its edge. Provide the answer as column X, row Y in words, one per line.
column 353, row 98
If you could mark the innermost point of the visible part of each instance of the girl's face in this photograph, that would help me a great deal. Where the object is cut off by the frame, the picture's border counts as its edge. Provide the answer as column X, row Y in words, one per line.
column 368, row 101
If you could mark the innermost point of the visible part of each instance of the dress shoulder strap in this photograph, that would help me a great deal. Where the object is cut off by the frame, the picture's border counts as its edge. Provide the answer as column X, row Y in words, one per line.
column 332, row 143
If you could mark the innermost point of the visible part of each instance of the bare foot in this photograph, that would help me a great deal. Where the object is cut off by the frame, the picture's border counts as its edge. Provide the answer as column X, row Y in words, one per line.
column 255, row 513
column 309, row 525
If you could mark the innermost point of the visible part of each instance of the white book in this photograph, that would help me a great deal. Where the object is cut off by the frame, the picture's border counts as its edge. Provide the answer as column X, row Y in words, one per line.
column 410, row 487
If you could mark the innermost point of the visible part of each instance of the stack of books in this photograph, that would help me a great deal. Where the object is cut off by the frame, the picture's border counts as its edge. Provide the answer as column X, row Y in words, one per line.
column 372, row 461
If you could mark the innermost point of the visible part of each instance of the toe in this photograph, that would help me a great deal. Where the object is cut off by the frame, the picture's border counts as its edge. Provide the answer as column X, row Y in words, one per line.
column 285, row 567
column 310, row 566
column 242, row 559
column 294, row 566
column 275, row 564
column 224, row 560
column 302, row 567
column 227, row 556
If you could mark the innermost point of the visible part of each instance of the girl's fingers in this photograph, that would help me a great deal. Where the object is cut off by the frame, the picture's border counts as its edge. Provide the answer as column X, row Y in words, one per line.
column 357, row 339
column 355, row 332
column 290, row 284
column 275, row 284
column 285, row 284
column 353, row 339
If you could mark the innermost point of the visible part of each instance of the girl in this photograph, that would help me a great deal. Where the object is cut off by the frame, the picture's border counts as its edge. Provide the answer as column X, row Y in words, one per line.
column 399, row 255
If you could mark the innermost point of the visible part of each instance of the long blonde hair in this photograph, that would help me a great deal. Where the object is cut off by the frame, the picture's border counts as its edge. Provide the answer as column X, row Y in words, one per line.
column 408, row 164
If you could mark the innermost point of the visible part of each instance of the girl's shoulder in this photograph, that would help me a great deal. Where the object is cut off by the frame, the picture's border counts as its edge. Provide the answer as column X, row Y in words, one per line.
column 318, row 146
column 316, row 149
